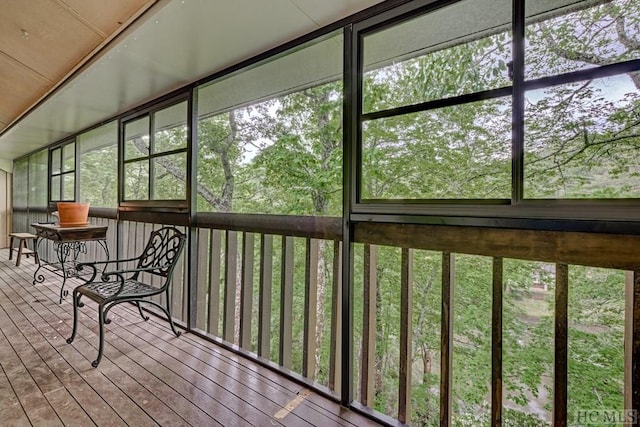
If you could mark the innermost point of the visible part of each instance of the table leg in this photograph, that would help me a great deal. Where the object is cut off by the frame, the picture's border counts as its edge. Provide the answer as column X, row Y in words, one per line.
column 37, row 277
column 62, row 250
column 105, row 248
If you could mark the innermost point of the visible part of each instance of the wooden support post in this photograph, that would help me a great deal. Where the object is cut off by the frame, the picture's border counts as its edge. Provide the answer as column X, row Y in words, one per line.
column 310, row 309
column 446, row 338
column 406, row 337
column 214, row 282
column 561, row 346
column 286, row 302
column 246, row 290
column 635, row 346
column 230, row 274
column 201, row 279
column 629, row 278
column 335, row 359
column 496, row 344
column 369, row 312
column 264, row 304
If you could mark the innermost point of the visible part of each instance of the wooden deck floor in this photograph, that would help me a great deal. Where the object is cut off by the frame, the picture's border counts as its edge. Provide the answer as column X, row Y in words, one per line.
column 147, row 376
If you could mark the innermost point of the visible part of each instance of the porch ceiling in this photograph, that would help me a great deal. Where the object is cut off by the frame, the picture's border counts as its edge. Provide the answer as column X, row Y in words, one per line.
column 90, row 60
column 42, row 42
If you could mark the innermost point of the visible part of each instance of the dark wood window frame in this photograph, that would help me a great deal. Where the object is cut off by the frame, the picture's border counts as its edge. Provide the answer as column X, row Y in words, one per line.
column 58, row 150
column 152, row 204
column 475, row 212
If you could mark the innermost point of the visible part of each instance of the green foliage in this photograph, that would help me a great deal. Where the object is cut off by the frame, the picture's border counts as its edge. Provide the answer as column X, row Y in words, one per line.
column 582, row 139
column 99, row 177
column 305, row 159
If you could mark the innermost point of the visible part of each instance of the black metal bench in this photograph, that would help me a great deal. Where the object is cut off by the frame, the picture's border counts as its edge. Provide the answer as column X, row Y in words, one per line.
column 111, row 287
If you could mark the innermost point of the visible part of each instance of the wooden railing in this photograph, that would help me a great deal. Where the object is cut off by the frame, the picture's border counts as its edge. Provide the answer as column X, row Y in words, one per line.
column 562, row 249
column 244, row 270
column 247, row 269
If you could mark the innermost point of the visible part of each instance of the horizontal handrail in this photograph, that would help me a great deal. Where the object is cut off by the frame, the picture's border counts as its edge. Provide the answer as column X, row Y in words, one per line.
column 96, row 212
column 316, row 227
column 616, row 251
column 605, row 250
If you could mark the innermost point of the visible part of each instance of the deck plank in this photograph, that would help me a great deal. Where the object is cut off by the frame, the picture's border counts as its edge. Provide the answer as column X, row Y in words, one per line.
column 196, row 350
column 167, row 407
column 246, row 384
column 116, row 407
column 147, row 375
column 14, row 416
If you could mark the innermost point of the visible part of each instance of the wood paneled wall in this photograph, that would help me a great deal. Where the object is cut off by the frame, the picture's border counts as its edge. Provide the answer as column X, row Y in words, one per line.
column 5, row 207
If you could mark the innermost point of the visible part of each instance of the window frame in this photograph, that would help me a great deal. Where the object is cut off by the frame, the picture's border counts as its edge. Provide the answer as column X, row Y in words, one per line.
column 62, row 173
column 81, row 153
column 133, row 204
column 468, row 211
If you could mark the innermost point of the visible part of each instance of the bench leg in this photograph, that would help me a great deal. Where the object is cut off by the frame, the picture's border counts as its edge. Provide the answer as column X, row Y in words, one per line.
column 11, row 248
column 76, row 304
column 21, row 245
column 168, row 311
column 145, row 318
column 101, row 322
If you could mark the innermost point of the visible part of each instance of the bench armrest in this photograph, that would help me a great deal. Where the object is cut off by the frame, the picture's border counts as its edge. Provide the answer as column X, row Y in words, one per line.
column 131, row 270
column 93, row 266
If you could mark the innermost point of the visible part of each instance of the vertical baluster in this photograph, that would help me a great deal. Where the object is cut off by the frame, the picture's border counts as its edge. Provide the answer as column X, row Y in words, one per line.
column 266, row 283
column 178, row 294
column 182, row 283
column 310, row 309
column 214, row 282
column 131, row 238
column 123, row 237
column 446, row 337
column 246, row 290
column 634, row 297
column 201, row 279
column 112, row 240
column 286, row 302
column 496, row 344
column 230, row 271
column 369, row 312
column 335, row 359
column 155, row 280
column 561, row 344
column 406, row 337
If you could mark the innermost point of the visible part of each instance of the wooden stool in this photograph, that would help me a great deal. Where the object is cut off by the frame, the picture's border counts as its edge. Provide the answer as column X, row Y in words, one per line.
column 22, row 246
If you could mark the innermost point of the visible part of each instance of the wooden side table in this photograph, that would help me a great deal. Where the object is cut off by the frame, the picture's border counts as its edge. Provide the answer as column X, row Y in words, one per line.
column 22, row 247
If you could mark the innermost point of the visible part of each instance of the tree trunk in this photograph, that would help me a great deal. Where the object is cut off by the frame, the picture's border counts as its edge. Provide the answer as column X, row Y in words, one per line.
column 226, row 195
column 320, row 207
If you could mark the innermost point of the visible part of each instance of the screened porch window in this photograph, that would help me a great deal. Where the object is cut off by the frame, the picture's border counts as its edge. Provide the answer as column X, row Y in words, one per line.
column 155, row 155
column 436, row 122
column 98, row 170
column 63, row 172
column 270, row 136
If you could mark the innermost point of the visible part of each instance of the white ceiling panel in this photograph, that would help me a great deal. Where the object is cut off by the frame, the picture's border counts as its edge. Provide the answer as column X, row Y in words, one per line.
column 327, row 11
column 178, row 42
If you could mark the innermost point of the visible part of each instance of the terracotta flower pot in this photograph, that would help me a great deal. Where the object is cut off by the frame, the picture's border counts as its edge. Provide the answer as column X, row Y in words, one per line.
column 73, row 214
